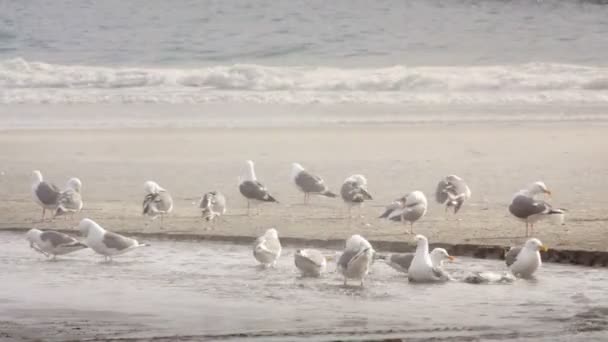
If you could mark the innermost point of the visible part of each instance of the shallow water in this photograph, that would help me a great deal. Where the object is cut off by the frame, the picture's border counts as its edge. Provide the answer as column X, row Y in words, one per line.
column 185, row 289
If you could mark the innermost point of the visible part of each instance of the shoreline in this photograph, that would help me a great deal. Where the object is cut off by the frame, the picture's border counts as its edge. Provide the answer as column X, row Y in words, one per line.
column 477, row 251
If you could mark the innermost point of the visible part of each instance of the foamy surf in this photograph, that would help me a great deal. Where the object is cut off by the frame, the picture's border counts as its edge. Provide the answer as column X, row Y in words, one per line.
column 22, row 81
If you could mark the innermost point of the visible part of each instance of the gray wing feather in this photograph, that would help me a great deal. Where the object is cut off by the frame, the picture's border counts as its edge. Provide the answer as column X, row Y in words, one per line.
column 255, row 190
column 57, row 238
column 524, row 206
column 116, row 241
column 511, row 255
column 346, row 257
column 70, row 199
column 309, row 182
column 441, row 194
column 47, row 193
column 403, row 260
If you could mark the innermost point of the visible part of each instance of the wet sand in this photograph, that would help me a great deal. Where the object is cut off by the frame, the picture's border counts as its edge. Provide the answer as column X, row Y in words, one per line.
column 495, row 159
column 195, row 291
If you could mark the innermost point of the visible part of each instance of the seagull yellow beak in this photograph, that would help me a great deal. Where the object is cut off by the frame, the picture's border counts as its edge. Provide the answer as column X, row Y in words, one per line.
column 548, row 192
column 544, row 248
column 451, row 258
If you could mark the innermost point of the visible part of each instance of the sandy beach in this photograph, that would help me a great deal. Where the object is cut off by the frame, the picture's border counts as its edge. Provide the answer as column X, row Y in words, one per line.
column 495, row 159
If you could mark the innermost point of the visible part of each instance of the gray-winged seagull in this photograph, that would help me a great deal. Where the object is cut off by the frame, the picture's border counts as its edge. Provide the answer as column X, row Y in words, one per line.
column 310, row 262
column 105, row 242
column 401, row 262
column 212, row 205
column 53, row 243
column 70, row 199
column 526, row 208
column 524, row 261
column 45, row 194
column 354, row 192
column 252, row 189
column 410, row 208
column 452, row 191
column 157, row 201
column 308, row 183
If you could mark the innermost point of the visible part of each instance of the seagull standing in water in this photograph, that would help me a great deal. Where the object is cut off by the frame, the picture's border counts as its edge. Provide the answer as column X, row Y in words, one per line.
column 354, row 192
column 356, row 260
column 422, row 268
column 253, row 190
column 105, row 242
column 157, row 202
column 53, row 243
column 45, row 194
column 267, row 248
column 524, row 261
column 310, row 262
column 402, row 262
column 526, row 208
column 70, row 199
column 410, row 208
column 452, row 191
column 308, row 183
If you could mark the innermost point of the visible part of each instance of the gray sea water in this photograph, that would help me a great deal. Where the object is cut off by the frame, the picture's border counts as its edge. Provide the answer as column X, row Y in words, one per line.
column 529, row 57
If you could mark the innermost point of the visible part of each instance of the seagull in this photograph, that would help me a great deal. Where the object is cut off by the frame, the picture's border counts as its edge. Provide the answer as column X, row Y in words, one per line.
column 45, row 194
column 267, row 248
column 310, row 262
column 309, row 183
column 212, row 204
column 410, row 208
column 53, row 243
column 355, row 261
column 105, row 242
column 157, row 202
column 252, row 189
column 354, row 192
column 402, row 262
column 530, row 210
column 452, row 191
column 524, row 261
column 422, row 268
column 70, row 199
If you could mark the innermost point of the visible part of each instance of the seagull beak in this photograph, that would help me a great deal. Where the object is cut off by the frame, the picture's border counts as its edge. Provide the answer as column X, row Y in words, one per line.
column 544, row 248
column 451, row 258
column 548, row 192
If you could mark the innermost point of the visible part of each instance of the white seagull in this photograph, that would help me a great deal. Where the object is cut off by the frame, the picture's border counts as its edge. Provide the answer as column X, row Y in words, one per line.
column 105, row 242
column 267, row 248
column 422, row 268
column 356, row 260
column 524, row 261
column 401, row 262
column 310, row 262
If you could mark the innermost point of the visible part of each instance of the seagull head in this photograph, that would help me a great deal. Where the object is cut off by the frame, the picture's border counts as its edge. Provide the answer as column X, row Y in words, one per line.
column 86, row 225
column 37, row 175
column 295, row 169
column 151, row 187
column 32, row 235
column 535, row 245
column 271, row 233
column 74, row 183
column 539, row 188
column 439, row 255
column 421, row 240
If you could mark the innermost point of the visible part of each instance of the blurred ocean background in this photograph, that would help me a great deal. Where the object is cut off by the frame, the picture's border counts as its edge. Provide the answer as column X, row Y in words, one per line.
column 290, row 62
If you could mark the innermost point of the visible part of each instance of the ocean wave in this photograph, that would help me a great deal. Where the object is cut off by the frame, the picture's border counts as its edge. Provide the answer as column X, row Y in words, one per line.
column 22, row 81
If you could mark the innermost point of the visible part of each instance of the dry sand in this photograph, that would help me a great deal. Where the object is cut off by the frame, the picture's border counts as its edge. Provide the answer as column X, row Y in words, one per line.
column 495, row 159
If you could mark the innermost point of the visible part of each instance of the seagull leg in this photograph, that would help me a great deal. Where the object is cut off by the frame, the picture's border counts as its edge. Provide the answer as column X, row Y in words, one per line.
column 527, row 229
column 248, row 208
column 411, row 228
column 531, row 229
column 345, row 282
column 361, row 282
column 161, row 221
column 43, row 212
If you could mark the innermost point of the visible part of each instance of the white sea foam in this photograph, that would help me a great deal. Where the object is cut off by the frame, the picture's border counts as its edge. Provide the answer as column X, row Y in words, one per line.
column 535, row 83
